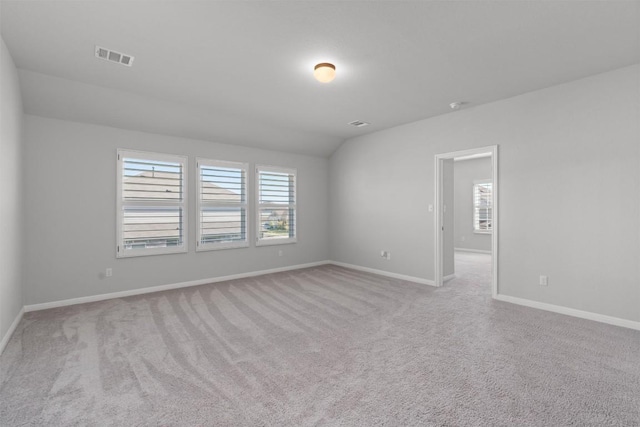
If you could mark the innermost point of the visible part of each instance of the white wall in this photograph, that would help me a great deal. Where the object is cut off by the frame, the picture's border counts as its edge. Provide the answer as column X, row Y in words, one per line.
column 70, row 210
column 448, row 196
column 465, row 173
column 11, row 201
column 570, row 192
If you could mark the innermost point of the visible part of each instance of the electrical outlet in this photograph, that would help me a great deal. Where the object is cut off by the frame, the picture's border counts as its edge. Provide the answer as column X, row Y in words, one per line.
column 385, row 254
column 280, row 252
column 108, row 272
column 544, row 281
column 388, row 255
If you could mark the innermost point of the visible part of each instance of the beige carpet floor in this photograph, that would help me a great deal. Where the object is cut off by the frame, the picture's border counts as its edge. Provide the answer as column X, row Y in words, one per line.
column 320, row 346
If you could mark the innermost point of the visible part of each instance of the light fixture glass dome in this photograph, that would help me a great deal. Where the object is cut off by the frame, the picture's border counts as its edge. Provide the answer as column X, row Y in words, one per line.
column 324, row 72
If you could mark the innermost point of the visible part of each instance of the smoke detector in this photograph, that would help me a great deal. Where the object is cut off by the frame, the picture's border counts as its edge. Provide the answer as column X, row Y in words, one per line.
column 456, row 105
column 113, row 56
column 359, row 123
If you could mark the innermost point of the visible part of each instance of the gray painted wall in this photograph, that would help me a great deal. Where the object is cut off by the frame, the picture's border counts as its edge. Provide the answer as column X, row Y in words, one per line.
column 570, row 192
column 465, row 173
column 11, row 178
column 70, row 209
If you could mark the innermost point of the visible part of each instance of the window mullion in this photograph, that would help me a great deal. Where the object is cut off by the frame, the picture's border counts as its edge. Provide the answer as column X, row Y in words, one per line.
column 152, row 203
column 222, row 205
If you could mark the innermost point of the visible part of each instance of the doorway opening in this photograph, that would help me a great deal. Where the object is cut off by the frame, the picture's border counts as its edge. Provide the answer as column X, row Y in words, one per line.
column 466, row 220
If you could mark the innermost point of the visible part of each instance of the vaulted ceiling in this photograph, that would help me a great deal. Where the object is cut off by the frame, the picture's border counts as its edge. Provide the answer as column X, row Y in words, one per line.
column 240, row 72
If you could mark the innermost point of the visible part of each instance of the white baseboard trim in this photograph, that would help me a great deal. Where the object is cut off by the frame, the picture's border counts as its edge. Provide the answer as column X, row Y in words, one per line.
column 478, row 251
column 449, row 277
column 11, row 330
column 385, row 273
column 625, row 323
column 151, row 289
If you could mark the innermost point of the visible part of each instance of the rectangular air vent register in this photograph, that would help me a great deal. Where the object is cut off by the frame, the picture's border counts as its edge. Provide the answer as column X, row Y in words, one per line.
column 113, row 56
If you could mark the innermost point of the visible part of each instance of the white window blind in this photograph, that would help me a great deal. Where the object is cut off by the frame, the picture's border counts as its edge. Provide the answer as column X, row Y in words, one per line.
column 482, row 207
column 151, row 204
column 276, row 205
column 222, row 204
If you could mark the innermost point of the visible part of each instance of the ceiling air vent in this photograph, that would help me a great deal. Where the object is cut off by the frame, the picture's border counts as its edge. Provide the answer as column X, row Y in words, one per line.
column 113, row 56
column 359, row 123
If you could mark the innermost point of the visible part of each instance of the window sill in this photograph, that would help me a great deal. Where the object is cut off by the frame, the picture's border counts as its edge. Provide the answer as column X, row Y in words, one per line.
column 150, row 252
column 220, row 246
column 482, row 232
column 271, row 242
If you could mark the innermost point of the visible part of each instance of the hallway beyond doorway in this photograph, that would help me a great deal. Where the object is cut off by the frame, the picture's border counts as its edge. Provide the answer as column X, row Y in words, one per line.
column 473, row 270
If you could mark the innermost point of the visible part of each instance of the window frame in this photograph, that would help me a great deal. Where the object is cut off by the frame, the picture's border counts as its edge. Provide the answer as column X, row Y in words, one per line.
column 475, row 219
column 259, row 206
column 121, row 154
column 200, row 204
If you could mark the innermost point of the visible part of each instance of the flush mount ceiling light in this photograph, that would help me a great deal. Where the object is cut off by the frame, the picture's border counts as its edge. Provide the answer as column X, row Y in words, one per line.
column 324, row 72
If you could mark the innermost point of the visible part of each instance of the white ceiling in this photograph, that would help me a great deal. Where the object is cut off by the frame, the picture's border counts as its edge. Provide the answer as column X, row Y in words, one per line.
column 240, row 72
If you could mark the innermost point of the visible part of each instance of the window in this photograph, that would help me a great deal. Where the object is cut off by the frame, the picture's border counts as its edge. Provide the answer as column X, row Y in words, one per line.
column 276, row 188
column 222, row 204
column 151, row 205
column 482, row 206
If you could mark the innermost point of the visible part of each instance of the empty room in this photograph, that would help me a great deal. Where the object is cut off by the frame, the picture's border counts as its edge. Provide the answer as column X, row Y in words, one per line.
column 320, row 213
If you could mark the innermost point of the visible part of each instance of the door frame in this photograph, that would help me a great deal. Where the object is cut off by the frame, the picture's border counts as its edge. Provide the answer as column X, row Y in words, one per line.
column 439, row 214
